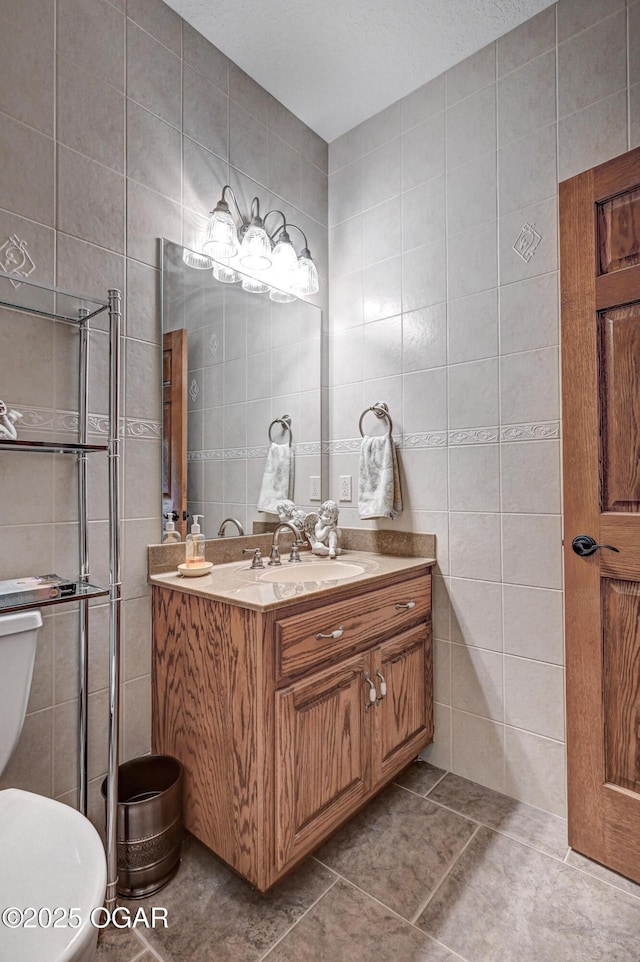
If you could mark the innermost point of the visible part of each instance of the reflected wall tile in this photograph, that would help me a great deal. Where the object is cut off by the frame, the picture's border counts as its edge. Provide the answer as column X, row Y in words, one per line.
column 541, row 565
column 527, row 98
column 143, row 380
column 159, row 20
column 526, row 42
column 471, row 127
column 474, row 477
column 27, row 173
column 424, row 338
column 205, row 113
column 592, row 135
column 423, row 152
column 533, row 625
column 634, row 116
column 423, row 103
column 471, row 74
column 30, row 766
column 529, row 314
column 478, row 749
column 143, row 307
column 423, row 214
column 424, row 276
column 202, row 56
column 528, row 170
column 593, row 64
column 634, row 43
column 150, row 216
column 91, row 34
column 24, row 57
column 529, row 387
column 473, row 394
column 473, row 327
column 381, row 174
column 235, row 380
column 534, row 696
column 476, row 613
column 425, row 400
column 476, row 681
column 90, row 200
column 153, row 76
column 424, row 479
column 530, row 477
column 535, row 770
column 258, row 379
column 472, row 260
column 143, row 459
column 154, row 152
column 382, row 289
column 475, row 550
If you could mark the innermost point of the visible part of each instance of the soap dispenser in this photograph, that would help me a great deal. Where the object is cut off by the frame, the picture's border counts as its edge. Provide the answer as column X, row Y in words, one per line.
column 171, row 536
column 195, row 544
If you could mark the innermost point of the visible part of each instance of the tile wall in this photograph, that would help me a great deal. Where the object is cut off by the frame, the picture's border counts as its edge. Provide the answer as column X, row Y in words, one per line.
column 121, row 127
column 444, row 302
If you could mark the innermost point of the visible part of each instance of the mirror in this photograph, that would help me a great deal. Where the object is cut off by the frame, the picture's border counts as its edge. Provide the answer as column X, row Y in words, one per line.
column 234, row 363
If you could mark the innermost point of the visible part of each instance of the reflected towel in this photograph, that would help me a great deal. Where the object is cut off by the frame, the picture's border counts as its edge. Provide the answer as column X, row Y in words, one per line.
column 277, row 481
column 379, row 494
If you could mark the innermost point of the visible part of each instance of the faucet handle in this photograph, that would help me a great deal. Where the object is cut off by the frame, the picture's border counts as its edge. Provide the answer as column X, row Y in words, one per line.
column 257, row 561
column 274, row 557
column 295, row 554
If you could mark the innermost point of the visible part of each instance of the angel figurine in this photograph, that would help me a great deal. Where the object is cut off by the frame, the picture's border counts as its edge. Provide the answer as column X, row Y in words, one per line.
column 8, row 421
column 289, row 511
column 326, row 533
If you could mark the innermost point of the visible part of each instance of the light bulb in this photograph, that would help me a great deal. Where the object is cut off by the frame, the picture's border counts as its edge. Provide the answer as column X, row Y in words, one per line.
column 284, row 257
column 306, row 278
column 255, row 250
column 221, row 238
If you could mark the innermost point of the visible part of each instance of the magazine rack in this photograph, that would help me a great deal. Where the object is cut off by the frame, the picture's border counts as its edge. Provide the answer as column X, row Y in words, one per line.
column 76, row 309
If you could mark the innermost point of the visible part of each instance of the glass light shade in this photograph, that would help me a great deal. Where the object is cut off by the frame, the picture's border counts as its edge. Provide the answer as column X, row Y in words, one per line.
column 255, row 250
column 306, row 277
column 284, row 257
column 221, row 239
column 254, row 286
column 225, row 274
column 281, row 297
column 197, row 260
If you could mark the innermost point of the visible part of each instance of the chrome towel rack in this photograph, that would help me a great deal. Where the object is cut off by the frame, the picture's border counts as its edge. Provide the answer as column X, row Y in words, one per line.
column 381, row 410
column 285, row 422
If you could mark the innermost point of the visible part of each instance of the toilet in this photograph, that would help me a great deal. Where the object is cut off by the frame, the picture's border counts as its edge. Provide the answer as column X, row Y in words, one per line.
column 51, row 856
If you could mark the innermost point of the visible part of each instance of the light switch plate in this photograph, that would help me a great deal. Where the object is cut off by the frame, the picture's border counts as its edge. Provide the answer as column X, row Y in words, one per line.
column 345, row 487
column 314, row 489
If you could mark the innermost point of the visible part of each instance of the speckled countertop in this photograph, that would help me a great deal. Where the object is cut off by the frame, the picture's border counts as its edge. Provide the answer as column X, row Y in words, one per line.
column 237, row 584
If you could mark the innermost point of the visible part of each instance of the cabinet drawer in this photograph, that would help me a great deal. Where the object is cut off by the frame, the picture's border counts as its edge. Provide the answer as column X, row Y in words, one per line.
column 352, row 625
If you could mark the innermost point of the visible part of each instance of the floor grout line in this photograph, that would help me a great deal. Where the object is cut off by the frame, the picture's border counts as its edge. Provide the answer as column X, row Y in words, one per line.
column 146, row 947
column 445, row 876
column 298, row 920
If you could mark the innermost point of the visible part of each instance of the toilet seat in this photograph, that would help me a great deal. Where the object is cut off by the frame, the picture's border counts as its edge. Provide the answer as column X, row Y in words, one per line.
column 50, row 856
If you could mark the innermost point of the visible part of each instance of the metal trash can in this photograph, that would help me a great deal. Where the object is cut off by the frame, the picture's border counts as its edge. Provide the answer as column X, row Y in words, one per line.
column 149, row 824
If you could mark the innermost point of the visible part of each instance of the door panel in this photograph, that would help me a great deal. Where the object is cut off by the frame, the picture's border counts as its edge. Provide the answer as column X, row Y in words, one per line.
column 174, row 427
column 600, row 295
column 322, row 750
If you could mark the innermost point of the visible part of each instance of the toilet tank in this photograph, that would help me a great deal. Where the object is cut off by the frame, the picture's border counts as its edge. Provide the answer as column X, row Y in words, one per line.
column 18, row 636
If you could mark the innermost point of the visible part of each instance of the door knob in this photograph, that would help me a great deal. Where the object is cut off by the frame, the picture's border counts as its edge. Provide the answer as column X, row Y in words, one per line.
column 584, row 545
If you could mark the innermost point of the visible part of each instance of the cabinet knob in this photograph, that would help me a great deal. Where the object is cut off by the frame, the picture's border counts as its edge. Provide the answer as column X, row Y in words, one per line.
column 338, row 633
column 407, row 605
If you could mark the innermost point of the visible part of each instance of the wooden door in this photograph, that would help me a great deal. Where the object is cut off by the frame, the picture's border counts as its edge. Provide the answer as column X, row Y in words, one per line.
column 174, row 427
column 404, row 714
column 321, row 755
column 600, row 294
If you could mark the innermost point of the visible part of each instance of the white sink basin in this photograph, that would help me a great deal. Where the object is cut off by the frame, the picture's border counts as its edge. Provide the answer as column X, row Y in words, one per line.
column 312, row 571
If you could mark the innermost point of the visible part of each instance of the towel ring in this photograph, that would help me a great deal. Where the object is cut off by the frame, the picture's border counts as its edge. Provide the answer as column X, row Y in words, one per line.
column 381, row 410
column 285, row 421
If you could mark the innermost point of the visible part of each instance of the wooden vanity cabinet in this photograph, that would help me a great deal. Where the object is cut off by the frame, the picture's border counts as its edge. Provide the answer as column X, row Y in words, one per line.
column 271, row 712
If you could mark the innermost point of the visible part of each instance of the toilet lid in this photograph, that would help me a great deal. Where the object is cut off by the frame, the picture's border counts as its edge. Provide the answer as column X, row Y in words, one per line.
column 50, row 857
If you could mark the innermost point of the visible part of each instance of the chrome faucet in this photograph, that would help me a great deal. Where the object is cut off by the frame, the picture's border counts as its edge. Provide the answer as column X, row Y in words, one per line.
column 230, row 521
column 274, row 557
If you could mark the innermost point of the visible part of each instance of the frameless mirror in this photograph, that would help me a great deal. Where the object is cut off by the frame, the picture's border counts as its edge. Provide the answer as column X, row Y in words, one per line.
column 234, row 364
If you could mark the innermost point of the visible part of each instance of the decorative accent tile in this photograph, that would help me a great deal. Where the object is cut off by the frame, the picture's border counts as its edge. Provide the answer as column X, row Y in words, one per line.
column 214, row 344
column 66, row 422
column 15, row 258
column 137, row 428
column 474, row 436
column 194, row 390
column 260, row 451
column 527, row 242
column 433, row 439
column 531, row 432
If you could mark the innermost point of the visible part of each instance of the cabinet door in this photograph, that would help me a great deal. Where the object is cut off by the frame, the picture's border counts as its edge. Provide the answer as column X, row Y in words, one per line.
column 322, row 751
column 404, row 715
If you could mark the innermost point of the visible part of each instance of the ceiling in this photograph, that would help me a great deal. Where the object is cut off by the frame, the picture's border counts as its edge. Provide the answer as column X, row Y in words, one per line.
column 334, row 63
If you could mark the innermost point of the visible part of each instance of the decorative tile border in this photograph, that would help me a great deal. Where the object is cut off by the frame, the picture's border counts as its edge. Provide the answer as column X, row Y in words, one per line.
column 474, row 436
column 234, row 454
column 537, row 431
column 66, row 422
column 543, row 431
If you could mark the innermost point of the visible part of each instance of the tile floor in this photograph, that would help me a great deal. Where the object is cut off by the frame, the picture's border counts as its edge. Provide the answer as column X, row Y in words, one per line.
column 434, row 869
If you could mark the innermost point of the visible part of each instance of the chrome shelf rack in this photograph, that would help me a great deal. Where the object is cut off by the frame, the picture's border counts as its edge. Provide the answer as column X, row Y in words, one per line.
column 65, row 307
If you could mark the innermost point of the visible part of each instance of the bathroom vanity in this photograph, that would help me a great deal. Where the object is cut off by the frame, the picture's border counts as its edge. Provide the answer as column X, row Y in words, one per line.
column 290, row 703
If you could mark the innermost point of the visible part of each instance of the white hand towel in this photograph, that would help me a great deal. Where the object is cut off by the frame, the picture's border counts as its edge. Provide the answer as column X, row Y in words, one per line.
column 379, row 494
column 277, row 481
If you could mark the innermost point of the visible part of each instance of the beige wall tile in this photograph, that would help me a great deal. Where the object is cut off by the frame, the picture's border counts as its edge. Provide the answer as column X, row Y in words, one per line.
column 204, row 57
column 137, row 717
column 529, row 314
column 424, row 338
column 345, row 193
column 90, row 115
column 535, row 770
column 472, row 74
column 472, row 260
column 529, row 386
column 381, row 177
column 159, row 20
column 425, row 479
column 424, row 276
column 30, row 765
column 149, row 217
column 440, row 591
column 528, row 170
column 476, row 613
column 423, row 156
column 475, row 546
column 91, row 200
column 526, row 42
column 476, row 681
column 576, row 15
column 91, row 34
column 154, row 152
column 531, row 550
column 471, row 194
column 423, row 103
column 474, row 477
column 592, row 135
column 530, row 477
column 442, row 672
column 473, row 394
column 439, row 752
column 534, row 696
column 382, row 289
column 154, row 76
column 25, row 57
column 27, row 172
column 533, row 624
column 527, row 98
column 471, row 127
column 592, row 65
column 473, row 327
column 478, row 749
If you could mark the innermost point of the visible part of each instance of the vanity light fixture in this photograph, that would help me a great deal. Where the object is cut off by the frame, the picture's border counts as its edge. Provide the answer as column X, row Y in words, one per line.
column 267, row 255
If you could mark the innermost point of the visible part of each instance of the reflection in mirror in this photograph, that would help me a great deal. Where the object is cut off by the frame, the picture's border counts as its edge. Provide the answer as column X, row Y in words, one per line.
column 234, row 364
